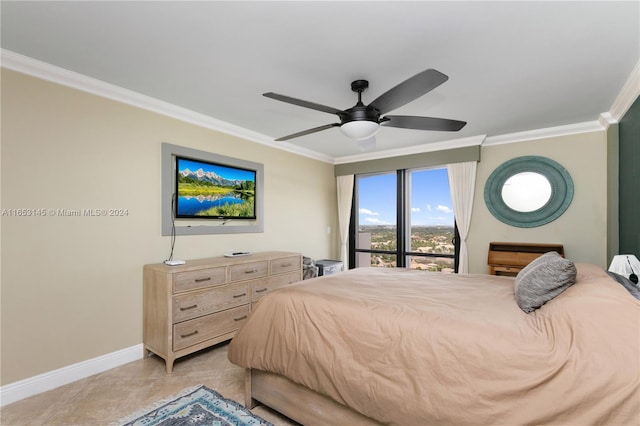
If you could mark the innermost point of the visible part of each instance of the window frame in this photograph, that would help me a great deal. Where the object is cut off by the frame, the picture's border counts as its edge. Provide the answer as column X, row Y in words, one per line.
column 403, row 210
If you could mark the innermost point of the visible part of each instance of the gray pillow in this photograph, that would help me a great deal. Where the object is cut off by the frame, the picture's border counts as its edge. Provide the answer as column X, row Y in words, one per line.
column 542, row 280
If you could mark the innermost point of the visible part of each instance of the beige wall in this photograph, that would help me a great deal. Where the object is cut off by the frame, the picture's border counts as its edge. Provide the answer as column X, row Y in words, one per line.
column 72, row 286
column 582, row 228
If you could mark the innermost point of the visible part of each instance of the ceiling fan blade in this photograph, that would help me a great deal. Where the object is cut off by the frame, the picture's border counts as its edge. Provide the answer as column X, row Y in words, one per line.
column 423, row 123
column 308, row 132
column 409, row 90
column 300, row 102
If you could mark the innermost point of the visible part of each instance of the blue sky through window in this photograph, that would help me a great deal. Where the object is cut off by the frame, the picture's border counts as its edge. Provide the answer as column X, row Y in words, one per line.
column 430, row 199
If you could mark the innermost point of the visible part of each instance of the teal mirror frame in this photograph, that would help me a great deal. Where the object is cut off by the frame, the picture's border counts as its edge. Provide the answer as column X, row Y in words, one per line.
column 561, row 191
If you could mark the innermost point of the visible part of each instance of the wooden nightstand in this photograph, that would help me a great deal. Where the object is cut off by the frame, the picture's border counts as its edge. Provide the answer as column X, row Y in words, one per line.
column 509, row 258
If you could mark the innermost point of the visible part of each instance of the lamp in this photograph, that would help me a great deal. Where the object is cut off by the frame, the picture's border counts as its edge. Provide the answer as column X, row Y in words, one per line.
column 360, row 129
column 626, row 265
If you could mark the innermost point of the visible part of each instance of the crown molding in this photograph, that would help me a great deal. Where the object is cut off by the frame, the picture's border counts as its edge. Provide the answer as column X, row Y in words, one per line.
column 35, row 68
column 628, row 94
column 549, row 132
column 606, row 119
column 23, row 64
column 417, row 149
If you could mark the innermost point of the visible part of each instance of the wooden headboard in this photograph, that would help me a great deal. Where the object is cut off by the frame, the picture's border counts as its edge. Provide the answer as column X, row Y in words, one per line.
column 510, row 258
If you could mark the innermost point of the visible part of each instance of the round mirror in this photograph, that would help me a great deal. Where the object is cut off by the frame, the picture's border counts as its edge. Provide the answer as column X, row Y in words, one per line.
column 528, row 191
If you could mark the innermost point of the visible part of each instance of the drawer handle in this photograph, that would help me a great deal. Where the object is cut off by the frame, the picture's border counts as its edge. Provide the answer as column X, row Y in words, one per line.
column 189, row 307
column 189, row 334
column 199, row 280
column 241, row 318
column 285, row 265
column 261, row 290
column 251, row 271
column 235, row 296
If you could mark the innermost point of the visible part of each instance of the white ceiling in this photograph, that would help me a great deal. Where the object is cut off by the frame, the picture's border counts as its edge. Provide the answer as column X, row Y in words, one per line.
column 512, row 66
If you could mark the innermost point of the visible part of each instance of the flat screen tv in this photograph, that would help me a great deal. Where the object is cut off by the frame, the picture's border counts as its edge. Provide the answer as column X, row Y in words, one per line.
column 207, row 190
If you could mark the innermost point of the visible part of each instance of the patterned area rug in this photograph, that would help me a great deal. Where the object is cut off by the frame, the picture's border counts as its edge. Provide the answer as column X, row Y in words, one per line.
column 197, row 406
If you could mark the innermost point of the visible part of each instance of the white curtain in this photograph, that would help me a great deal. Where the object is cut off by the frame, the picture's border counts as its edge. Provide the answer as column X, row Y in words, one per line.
column 462, row 180
column 345, row 196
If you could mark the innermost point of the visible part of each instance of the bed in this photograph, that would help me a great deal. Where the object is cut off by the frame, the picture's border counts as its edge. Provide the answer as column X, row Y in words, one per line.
column 406, row 347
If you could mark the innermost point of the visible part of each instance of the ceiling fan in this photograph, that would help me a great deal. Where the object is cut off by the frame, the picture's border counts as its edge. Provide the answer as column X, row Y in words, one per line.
column 361, row 121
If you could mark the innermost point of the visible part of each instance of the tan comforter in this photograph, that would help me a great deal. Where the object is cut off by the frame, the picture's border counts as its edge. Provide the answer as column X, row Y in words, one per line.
column 415, row 348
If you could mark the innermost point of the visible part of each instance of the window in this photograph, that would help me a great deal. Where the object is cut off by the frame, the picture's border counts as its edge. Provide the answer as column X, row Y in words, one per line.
column 377, row 238
column 403, row 219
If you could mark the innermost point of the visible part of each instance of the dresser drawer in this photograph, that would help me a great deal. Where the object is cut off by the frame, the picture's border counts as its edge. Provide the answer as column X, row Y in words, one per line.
column 285, row 264
column 202, row 302
column 201, row 278
column 247, row 271
column 198, row 330
column 261, row 287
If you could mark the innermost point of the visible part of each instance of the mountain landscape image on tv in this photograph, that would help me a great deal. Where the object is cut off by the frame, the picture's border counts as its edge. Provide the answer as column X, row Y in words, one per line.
column 207, row 190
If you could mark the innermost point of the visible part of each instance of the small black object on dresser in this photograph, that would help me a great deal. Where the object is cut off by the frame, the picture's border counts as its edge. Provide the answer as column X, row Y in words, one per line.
column 328, row 267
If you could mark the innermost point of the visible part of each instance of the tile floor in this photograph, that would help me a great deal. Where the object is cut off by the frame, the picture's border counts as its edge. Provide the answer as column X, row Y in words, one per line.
column 108, row 397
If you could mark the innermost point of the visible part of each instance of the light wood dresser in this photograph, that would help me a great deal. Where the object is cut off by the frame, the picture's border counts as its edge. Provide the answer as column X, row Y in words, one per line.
column 189, row 307
column 510, row 258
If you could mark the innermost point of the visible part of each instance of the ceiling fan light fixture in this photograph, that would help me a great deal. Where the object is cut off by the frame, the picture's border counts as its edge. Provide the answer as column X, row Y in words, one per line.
column 360, row 129
column 362, row 122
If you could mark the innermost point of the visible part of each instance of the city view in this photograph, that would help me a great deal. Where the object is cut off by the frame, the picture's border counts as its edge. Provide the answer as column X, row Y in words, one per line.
column 429, row 224
column 436, row 239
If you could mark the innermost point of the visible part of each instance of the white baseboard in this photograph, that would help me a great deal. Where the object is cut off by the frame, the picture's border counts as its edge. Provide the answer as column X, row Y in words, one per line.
column 43, row 382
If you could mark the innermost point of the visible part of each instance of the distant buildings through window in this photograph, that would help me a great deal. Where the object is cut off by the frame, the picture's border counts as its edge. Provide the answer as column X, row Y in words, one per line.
column 403, row 219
